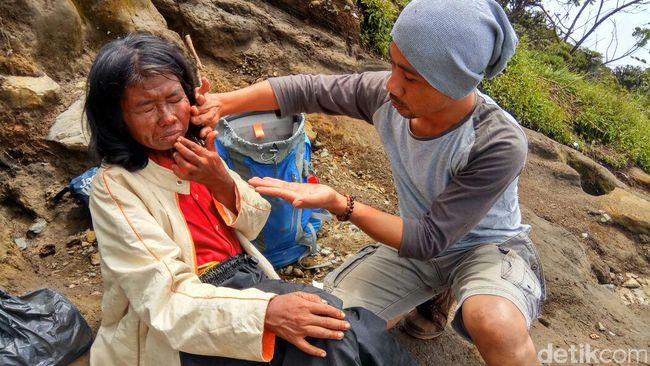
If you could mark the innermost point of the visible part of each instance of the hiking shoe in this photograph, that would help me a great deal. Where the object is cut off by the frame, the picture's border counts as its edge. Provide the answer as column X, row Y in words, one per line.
column 428, row 320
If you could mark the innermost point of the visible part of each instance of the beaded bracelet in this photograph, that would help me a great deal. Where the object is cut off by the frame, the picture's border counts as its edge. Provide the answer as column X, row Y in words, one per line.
column 348, row 212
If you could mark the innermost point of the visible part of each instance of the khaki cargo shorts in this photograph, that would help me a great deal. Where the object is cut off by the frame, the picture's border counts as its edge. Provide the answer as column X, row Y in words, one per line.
column 377, row 279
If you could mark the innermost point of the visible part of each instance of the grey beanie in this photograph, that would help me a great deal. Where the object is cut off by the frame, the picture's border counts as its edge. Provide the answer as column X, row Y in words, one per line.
column 454, row 44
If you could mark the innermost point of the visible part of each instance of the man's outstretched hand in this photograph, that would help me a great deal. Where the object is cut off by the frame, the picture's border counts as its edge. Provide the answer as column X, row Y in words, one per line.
column 297, row 315
column 302, row 195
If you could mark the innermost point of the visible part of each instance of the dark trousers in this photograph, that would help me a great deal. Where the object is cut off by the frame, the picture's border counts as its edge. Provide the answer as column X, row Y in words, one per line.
column 366, row 343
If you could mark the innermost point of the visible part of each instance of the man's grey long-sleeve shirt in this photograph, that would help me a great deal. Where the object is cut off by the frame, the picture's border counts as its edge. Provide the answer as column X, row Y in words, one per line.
column 455, row 190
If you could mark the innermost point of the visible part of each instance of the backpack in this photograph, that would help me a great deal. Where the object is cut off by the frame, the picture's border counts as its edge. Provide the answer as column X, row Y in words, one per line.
column 263, row 145
column 79, row 187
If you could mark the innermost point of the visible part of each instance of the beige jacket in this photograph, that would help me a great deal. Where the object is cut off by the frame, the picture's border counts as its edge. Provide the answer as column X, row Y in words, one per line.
column 154, row 304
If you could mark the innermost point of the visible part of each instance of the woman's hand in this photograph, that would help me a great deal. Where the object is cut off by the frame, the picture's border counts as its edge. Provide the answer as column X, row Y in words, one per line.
column 297, row 315
column 302, row 195
column 203, row 165
column 208, row 108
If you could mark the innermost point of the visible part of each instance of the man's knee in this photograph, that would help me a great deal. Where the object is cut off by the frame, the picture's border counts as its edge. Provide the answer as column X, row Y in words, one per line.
column 493, row 320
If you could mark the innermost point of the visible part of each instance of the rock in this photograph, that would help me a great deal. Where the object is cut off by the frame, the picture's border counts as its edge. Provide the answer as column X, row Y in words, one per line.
column 68, row 128
column 95, row 259
column 26, row 92
column 544, row 321
column 116, row 18
column 631, row 283
column 595, row 179
column 627, row 210
column 297, row 272
column 21, row 243
column 37, row 227
column 605, row 218
column 645, row 239
column 594, row 336
column 47, row 249
column 601, row 272
column 91, row 237
column 72, row 285
column 542, row 146
column 309, row 130
column 640, row 177
column 325, row 252
column 73, row 242
column 584, row 235
column 610, row 287
column 631, row 275
column 600, row 327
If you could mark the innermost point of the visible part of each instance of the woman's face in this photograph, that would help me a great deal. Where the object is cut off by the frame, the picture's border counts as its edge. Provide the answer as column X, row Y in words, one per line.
column 156, row 111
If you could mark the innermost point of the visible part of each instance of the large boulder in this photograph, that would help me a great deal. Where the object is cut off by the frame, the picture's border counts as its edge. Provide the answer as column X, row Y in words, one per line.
column 26, row 92
column 257, row 39
column 640, row 177
column 115, row 18
column 628, row 210
column 68, row 128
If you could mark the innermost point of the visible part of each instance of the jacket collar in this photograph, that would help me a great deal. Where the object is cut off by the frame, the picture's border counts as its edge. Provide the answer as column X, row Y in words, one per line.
column 164, row 178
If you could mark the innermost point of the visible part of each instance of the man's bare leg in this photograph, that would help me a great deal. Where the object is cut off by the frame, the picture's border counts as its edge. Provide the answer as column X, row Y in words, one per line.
column 499, row 331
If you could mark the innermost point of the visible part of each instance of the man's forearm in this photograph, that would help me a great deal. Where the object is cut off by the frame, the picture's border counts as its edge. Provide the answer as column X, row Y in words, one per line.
column 381, row 226
column 257, row 97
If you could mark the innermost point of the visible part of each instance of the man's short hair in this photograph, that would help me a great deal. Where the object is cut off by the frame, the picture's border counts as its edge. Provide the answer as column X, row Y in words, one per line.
column 118, row 65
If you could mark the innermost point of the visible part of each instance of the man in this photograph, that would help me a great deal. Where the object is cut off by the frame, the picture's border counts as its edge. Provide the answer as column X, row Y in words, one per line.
column 455, row 158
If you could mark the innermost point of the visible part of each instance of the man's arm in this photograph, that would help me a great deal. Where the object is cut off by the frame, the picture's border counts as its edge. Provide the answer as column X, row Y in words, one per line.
column 354, row 95
column 494, row 163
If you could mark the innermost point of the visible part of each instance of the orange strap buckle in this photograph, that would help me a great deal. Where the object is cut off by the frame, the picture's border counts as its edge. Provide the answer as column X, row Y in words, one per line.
column 258, row 130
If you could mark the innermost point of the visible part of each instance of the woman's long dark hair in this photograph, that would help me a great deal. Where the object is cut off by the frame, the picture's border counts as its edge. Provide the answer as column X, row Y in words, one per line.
column 119, row 64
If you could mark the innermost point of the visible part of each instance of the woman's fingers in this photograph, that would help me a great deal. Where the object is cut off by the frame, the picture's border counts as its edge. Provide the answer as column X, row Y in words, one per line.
column 309, row 297
column 191, row 147
column 187, row 167
column 324, row 333
column 304, row 346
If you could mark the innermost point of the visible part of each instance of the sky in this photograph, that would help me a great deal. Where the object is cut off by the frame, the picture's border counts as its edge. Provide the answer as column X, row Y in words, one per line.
column 600, row 40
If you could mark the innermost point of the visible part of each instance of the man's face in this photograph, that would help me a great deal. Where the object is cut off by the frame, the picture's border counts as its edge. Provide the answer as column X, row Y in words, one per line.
column 410, row 93
column 156, row 111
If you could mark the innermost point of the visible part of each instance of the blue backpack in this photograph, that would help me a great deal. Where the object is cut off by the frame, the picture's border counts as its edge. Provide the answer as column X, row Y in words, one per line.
column 79, row 187
column 263, row 145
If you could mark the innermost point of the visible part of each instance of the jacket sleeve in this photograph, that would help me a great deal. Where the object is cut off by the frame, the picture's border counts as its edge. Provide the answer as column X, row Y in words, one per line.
column 163, row 290
column 253, row 210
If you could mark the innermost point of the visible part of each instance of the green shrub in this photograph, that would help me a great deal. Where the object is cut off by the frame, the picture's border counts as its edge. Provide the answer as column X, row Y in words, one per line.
column 378, row 19
column 610, row 123
column 526, row 94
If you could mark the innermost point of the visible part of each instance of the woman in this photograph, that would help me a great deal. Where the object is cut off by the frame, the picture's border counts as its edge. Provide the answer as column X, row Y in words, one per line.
column 166, row 210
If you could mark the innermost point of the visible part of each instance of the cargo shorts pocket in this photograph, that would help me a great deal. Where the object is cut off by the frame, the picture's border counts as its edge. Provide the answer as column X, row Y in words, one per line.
column 334, row 278
column 516, row 271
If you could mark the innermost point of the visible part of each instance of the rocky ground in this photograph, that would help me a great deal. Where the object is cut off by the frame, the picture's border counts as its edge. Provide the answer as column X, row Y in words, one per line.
column 592, row 226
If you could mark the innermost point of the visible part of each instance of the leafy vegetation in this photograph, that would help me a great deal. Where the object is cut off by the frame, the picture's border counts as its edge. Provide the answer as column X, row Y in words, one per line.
column 605, row 119
column 377, row 22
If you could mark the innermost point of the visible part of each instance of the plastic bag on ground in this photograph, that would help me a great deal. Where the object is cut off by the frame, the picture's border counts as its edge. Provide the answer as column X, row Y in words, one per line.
column 41, row 328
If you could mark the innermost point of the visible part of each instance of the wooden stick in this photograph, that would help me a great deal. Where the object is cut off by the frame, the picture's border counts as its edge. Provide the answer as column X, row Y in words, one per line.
column 190, row 46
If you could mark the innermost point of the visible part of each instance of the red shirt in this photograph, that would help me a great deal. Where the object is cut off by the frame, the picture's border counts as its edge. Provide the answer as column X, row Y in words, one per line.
column 214, row 241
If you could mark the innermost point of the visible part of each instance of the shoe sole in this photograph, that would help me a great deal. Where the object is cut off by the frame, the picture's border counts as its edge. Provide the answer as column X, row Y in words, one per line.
column 420, row 335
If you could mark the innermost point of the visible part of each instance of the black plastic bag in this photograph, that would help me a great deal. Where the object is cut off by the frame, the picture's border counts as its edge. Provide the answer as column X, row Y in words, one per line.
column 41, row 328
